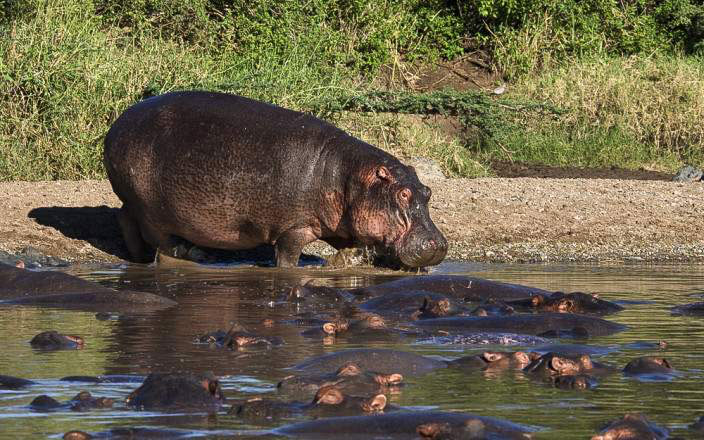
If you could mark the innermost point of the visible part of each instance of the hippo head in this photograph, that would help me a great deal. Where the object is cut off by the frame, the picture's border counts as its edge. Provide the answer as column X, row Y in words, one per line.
column 388, row 209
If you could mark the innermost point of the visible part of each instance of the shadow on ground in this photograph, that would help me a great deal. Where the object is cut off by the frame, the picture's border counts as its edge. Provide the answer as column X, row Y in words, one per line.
column 96, row 225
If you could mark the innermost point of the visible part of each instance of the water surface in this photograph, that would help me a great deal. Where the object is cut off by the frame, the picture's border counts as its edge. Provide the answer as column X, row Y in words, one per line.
column 214, row 299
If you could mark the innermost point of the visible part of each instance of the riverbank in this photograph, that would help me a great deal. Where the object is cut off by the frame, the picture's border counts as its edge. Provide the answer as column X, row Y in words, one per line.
column 486, row 219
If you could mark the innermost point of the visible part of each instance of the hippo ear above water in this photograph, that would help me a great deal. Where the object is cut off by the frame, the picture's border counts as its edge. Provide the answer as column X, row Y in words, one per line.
column 375, row 404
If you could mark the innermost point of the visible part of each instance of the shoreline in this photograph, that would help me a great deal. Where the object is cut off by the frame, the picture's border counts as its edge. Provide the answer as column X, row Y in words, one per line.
column 485, row 220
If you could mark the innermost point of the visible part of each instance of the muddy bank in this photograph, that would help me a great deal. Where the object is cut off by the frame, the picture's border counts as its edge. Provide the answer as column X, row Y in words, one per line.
column 490, row 219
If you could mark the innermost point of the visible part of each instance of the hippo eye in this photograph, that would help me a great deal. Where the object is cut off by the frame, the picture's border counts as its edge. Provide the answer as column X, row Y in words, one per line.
column 405, row 195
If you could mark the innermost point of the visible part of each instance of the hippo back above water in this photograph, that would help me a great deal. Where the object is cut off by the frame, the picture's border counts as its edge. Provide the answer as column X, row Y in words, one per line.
column 227, row 172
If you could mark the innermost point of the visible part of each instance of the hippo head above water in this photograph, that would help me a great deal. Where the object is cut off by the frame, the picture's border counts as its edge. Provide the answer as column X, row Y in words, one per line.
column 388, row 209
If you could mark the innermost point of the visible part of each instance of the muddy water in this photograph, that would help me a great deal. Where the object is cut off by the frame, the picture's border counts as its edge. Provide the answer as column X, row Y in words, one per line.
column 208, row 300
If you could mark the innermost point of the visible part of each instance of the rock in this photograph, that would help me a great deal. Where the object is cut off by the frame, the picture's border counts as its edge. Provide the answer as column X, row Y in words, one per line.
column 688, row 173
column 426, row 169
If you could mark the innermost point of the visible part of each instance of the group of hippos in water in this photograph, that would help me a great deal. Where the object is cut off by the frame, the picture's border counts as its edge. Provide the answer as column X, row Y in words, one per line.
column 338, row 391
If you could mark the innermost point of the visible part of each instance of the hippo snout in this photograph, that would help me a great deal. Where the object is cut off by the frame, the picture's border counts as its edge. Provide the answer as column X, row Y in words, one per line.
column 424, row 251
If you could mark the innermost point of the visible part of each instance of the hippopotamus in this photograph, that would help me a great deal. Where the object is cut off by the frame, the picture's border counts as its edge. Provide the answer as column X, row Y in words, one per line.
column 554, row 364
column 381, row 360
column 83, row 401
column 633, row 426
column 409, row 425
column 459, row 287
column 575, row 302
column 237, row 337
column 13, row 383
column 547, row 324
column 413, row 305
column 494, row 360
column 53, row 340
column 349, row 378
column 227, row 172
column 58, row 289
column 693, row 309
column 492, row 307
column 329, row 400
column 108, row 378
column 177, row 391
column 365, row 325
column 650, row 368
column 131, row 434
column 574, row 382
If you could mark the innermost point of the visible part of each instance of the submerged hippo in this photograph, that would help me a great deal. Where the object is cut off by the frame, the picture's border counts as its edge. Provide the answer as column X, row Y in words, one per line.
column 228, row 172
column 693, row 309
column 177, row 391
column 542, row 324
column 409, row 425
column 53, row 340
column 381, row 360
column 650, row 368
column 632, row 426
column 21, row 286
column 13, row 383
column 575, row 302
column 83, row 401
column 459, row 287
column 349, row 378
column 329, row 400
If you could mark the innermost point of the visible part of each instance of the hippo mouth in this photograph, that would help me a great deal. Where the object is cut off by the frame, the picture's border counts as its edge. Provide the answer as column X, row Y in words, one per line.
column 415, row 252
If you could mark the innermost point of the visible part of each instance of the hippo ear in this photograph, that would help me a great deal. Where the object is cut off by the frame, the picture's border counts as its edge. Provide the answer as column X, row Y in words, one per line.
column 664, row 362
column 329, row 328
column 565, row 305
column 586, row 362
column 491, row 356
column 388, row 379
column 480, row 311
column 474, row 427
column 349, row 369
column 563, row 366
column 383, row 173
column 521, row 358
column 375, row 404
column 328, row 395
column 432, row 430
column 537, row 300
column 213, row 387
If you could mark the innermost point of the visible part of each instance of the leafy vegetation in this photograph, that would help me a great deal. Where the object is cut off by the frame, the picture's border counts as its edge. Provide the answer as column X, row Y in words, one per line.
column 592, row 83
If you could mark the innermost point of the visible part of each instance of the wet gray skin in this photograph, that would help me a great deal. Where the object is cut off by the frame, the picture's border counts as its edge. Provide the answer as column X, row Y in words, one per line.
column 329, row 401
column 493, row 360
column 57, row 289
column 650, row 368
column 349, row 378
column 413, row 425
column 574, row 382
column 455, row 286
column 413, row 305
column 543, row 324
column 237, row 337
column 83, row 401
column 493, row 307
column 554, row 364
column 380, row 360
column 177, row 391
column 575, row 302
column 13, row 383
column 109, row 378
column 53, row 340
column 693, row 309
column 130, row 433
column 632, row 426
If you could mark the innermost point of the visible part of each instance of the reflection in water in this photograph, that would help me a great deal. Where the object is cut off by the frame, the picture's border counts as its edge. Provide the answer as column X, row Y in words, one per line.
column 215, row 299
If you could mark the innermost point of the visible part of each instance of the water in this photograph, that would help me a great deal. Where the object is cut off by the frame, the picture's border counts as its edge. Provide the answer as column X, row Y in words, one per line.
column 214, row 299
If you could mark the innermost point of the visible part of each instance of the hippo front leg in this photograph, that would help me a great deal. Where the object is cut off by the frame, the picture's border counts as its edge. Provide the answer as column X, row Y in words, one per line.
column 137, row 247
column 289, row 246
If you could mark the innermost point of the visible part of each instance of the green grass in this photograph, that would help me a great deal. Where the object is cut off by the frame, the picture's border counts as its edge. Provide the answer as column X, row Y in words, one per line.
column 69, row 68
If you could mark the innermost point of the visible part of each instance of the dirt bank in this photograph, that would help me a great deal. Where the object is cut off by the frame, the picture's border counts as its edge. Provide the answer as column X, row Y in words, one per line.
column 495, row 219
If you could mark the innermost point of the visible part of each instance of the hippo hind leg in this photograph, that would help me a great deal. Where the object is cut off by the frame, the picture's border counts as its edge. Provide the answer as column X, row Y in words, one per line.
column 139, row 249
column 289, row 245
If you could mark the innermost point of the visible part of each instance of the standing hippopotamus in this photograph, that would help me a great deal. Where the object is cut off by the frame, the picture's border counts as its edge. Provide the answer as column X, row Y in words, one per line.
column 227, row 172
